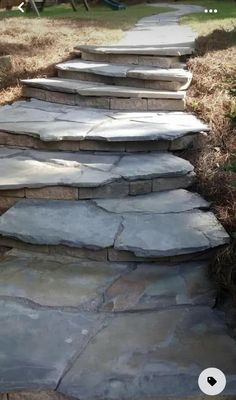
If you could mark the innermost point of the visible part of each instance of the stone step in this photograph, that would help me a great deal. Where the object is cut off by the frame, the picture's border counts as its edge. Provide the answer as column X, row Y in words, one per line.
column 49, row 126
column 127, row 356
column 62, row 281
column 156, row 56
column 97, row 95
column 126, row 75
column 155, row 226
column 74, row 176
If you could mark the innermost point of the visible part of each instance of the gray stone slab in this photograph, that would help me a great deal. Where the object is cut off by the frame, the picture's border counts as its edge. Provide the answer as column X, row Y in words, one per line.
column 161, row 126
column 49, row 131
column 76, row 123
column 145, row 355
column 169, row 234
column 152, row 286
column 145, row 234
column 95, row 68
column 35, row 169
column 125, row 71
column 84, row 88
column 56, row 281
column 155, row 165
column 130, row 92
column 137, row 49
column 58, row 84
column 157, row 203
column 54, row 222
column 36, row 345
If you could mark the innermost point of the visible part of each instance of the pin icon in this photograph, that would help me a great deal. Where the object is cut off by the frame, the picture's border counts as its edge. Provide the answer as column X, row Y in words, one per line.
column 212, row 381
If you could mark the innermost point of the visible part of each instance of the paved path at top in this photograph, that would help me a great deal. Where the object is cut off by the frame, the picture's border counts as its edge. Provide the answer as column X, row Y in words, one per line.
column 163, row 29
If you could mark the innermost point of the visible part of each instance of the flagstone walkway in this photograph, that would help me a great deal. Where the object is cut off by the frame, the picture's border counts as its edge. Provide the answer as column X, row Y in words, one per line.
column 105, row 292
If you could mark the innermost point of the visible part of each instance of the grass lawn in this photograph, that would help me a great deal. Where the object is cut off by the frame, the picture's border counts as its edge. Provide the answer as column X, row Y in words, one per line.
column 204, row 23
column 37, row 44
column 122, row 19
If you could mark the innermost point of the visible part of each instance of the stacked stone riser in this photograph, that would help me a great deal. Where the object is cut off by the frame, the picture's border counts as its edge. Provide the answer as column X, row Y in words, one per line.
column 141, row 83
column 154, row 61
column 105, row 102
column 113, row 190
column 24, row 141
column 105, row 255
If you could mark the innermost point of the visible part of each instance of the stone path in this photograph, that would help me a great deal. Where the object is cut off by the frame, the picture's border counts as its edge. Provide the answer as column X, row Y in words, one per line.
column 105, row 291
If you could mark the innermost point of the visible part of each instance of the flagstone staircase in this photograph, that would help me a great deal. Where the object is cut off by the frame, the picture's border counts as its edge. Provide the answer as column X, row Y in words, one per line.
column 106, row 292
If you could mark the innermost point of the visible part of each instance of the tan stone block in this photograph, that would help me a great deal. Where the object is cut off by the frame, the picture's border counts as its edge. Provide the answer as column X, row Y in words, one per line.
column 183, row 143
column 97, row 145
column 53, row 192
column 115, row 255
column 123, row 58
column 65, row 145
column 7, row 202
column 140, row 187
column 94, row 57
column 36, row 396
column 92, row 101
column 96, row 255
column 162, row 85
column 160, row 145
column 85, row 76
column 28, row 91
column 12, row 193
column 155, row 61
column 181, row 182
column 11, row 139
column 134, row 104
column 4, row 397
column 62, row 98
column 138, row 83
column 165, row 105
column 14, row 243
column 117, row 189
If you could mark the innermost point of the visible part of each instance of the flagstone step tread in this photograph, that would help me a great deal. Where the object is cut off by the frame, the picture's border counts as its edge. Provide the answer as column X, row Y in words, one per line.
column 36, row 169
column 57, row 122
column 99, row 89
column 152, row 354
column 138, row 50
column 126, row 71
column 37, row 344
column 165, row 231
column 91, row 355
column 59, row 281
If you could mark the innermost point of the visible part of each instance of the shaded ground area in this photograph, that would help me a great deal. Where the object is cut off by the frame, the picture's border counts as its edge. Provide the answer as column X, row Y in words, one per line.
column 37, row 45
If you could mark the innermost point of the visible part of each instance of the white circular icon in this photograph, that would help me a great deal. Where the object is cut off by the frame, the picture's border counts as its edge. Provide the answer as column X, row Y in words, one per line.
column 212, row 381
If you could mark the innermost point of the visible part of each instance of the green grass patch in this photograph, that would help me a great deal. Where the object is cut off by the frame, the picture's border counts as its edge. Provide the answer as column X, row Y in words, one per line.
column 205, row 23
column 123, row 19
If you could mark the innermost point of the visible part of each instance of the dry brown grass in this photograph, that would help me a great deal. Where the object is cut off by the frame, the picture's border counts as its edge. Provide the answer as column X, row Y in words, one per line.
column 35, row 47
column 214, row 75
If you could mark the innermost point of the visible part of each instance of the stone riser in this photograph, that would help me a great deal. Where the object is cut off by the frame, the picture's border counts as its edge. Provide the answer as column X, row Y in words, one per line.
column 26, row 141
column 155, row 61
column 109, row 103
column 107, row 254
column 133, row 82
column 113, row 190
